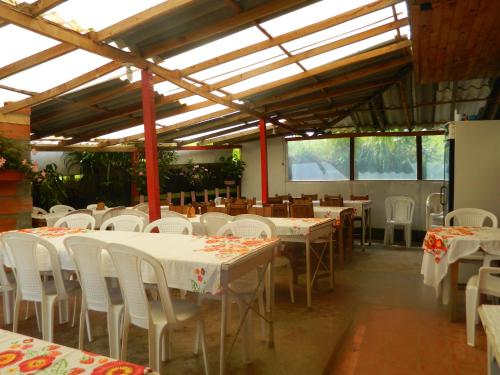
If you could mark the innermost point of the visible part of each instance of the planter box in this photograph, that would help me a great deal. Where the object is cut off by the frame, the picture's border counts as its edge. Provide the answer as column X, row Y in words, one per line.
column 11, row 175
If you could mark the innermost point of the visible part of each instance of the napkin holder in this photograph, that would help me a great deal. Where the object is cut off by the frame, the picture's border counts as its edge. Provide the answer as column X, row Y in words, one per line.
column 191, row 212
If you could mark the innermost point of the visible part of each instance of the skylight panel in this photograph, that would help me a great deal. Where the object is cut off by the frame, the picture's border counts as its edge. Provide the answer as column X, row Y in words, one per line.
column 311, row 14
column 139, row 129
column 18, row 43
column 341, row 31
column 192, row 100
column 351, row 49
column 165, row 87
column 262, row 79
column 98, row 14
column 402, row 9
column 10, row 96
column 172, row 120
column 55, row 72
column 238, row 66
column 405, row 31
column 204, row 134
column 218, row 47
column 214, row 139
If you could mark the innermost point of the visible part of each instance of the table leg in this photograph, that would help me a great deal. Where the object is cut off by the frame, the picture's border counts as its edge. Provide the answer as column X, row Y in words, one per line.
column 271, row 305
column 350, row 237
column 8, row 305
column 340, row 229
column 363, row 229
column 330, row 245
column 452, row 306
column 369, row 210
column 223, row 318
column 308, row 271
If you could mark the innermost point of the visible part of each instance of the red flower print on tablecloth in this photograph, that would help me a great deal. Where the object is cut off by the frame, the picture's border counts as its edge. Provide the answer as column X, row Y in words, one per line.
column 226, row 247
column 36, row 363
column 118, row 368
column 87, row 359
column 76, row 371
column 9, row 357
column 51, row 232
column 198, row 284
column 437, row 240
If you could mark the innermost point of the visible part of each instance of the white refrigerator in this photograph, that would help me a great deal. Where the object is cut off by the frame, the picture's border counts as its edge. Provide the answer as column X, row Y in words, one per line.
column 472, row 166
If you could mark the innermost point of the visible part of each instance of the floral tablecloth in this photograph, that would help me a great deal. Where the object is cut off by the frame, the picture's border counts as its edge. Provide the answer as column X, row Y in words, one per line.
column 358, row 205
column 191, row 262
column 445, row 245
column 331, row 212
column 21, row 354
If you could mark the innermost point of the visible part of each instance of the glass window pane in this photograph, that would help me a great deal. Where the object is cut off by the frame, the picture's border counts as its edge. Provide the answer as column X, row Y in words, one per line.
column 385, row 158
column 433, row 157
column 318, row 159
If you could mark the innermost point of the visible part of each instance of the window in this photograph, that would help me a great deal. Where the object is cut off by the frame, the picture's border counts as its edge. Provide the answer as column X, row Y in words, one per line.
column 385, row 158
column 432, row 157
column 319, row 159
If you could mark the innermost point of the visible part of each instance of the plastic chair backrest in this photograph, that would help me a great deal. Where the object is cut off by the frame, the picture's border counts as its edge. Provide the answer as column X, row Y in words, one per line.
column 144, row 216
column 169, row 213
column 433, row 203
column 23, row 249
column 4, row 280
column 84, row 221
column 129, row 263
column 112, row 212
column 143, row 207
column 213, row 221
column 61, row 208
column 87, row 256
column 174, row 225
column 262, row 219
column 38, row 211
column 80, row 211
column 127, row 223
column 92, row 206
column 473, row 217
column 246, row 228
column 399, row 209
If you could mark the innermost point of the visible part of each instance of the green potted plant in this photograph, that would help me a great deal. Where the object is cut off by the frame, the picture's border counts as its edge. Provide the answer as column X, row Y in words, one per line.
column 14, row 163
column 232, row 169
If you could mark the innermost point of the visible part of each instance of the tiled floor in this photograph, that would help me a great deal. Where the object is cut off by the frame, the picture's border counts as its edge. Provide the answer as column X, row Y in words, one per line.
column 380, row 319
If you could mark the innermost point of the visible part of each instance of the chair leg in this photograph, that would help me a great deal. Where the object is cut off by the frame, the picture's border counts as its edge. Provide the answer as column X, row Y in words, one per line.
column 27, row 314
column 74, row 312
column 17, row 305
column 38, row 315
column 386, row 235
column 113, row 318
column 126, row 322
column 89, row 330
column 47, row 321
column 81, row 327
column 154, row 347
column 408, row 235
column 471, row 304
column 263, row 312
column 200, row 334
column 166, row 352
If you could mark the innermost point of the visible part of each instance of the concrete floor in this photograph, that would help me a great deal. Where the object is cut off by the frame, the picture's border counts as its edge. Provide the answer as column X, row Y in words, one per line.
column 380, row 319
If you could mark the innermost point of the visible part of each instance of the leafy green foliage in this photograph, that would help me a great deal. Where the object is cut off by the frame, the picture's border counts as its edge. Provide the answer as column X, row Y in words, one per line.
column 232, row 167
column 14, row 156
column 48, row 188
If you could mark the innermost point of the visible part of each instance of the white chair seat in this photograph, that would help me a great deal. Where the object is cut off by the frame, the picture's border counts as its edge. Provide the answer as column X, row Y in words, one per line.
column 183, row 310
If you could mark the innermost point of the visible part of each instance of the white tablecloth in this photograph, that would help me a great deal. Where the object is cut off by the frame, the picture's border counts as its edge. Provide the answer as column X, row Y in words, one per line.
column 191, row 262
column 443, row 246
column 331, row 212
column 359, row 206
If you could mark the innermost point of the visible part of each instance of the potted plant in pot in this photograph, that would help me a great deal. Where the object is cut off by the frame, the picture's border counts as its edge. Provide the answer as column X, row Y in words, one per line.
column 232, row 169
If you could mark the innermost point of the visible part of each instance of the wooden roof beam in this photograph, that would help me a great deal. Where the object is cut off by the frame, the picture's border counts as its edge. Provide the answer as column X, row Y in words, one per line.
column 37, row 8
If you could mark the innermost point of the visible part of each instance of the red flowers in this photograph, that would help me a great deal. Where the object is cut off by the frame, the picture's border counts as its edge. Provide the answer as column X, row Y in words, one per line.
column 9, row 357
column 87, row 360
column 118, row 368
column 76, row 371
column 36, row 363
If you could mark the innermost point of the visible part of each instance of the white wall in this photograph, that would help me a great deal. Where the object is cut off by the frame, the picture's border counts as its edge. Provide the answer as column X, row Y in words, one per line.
column 377, row 190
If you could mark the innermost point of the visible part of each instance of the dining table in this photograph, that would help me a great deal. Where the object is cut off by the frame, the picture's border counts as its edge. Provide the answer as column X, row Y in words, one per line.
column 196, row 263
column 20, row 354
column 444, row 247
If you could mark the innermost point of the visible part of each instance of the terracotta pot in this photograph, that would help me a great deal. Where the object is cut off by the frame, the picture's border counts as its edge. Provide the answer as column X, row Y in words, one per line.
column 11, row 175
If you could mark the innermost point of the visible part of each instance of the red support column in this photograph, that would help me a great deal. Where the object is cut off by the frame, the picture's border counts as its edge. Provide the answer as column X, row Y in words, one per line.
column 150, row 145
column 134, row 158
column 263, row 159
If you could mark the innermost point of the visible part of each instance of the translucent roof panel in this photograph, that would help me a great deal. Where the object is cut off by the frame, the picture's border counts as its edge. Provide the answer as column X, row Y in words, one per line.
column 10, row 96
column 262, row 79
column 238, row 66
column 350, row 49
column 139, row 129
column 341, row 31
column 98, row 14
column 204, row 134
column 402, row 9
column 233, row 133
column 190, row 115
column 218, row 47
column 311, row 14
column 55, row 72
column 21, row 43
column 166, row 87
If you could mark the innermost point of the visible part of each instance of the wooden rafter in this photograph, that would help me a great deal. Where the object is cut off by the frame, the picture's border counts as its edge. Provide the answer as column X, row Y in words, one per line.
column 37, row 8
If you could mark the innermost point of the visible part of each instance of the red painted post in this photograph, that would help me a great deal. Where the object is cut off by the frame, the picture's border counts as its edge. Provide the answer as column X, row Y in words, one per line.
column 263, row 159
column 134, row 158
column 150, row 145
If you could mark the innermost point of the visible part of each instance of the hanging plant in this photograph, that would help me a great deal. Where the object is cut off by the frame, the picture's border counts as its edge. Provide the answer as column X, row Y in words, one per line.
column 13, row 157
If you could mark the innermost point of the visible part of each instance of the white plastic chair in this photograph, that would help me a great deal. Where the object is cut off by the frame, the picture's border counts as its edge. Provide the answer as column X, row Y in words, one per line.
column 279, row 260
column 213, row 221
column 7, row 287
column 112, row 212
column 97, row 295
column 23, row 249
column 126, row 223
column 433, row 211
column 144, row 216
column 37, row 211
column 94, row 206
column 473, row 217
column 175, row 225
column 160, row 316
column 76, row 221
column 143, row 207
column 398, row 211
column 61, row 208
column 484, row 283
column 168, row 213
